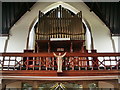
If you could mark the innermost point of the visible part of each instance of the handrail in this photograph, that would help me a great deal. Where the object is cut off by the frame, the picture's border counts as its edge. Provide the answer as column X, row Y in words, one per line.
column 67, row 55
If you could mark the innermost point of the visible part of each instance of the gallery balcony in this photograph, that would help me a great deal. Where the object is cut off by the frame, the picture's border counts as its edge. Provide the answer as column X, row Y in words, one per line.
column 74, row 64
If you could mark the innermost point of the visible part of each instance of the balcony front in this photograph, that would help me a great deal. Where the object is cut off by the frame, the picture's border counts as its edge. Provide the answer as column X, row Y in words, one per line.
column 46, row 64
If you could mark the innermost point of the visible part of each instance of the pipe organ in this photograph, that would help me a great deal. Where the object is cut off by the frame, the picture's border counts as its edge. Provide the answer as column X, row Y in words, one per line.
column 58, row 23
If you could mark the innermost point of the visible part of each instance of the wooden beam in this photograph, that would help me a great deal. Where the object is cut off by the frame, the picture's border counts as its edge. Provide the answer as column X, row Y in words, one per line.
column 68, row 54
column 64, row 73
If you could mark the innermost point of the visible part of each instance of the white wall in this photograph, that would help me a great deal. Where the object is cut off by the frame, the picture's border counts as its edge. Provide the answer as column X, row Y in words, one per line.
column 116, row 41
column 19, row 32
column 2, row 43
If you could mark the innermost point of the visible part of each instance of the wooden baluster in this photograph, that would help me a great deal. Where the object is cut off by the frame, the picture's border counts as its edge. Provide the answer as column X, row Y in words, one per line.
column 85, row 61
column 3, row 62
column 15, row 62
column 46, row 63
column 33, row 63
column 27, row 63
column 53, row 68
column 104, row 62
column 40, row 64
column 9, row 63
column 21, row 64
column 79, row 63
column 117, row 62
column 110, row 63
column 73, row 65
column 65, row 61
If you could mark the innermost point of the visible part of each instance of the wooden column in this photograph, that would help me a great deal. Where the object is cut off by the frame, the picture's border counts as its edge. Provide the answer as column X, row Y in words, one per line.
column 28, row 58
column 95, row 60
column 3, row 85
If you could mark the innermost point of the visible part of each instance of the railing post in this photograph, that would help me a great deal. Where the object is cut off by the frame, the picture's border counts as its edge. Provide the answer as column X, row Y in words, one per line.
column 95, row 60
column 86, row 51
column 28, row 58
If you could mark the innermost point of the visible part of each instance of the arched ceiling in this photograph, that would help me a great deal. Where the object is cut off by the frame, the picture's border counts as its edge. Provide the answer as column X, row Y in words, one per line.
column 108, row 12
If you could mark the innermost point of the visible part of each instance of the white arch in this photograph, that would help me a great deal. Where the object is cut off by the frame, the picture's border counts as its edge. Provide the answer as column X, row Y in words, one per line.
column 31, row 35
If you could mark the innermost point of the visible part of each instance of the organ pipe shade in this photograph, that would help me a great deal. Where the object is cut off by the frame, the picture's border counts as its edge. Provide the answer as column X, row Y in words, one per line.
column 60, row 23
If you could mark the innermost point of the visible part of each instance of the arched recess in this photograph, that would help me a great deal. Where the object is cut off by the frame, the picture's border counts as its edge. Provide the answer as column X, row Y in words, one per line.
column 31, row 34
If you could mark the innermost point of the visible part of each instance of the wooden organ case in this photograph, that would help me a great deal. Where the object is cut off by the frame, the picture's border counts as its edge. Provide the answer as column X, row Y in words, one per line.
column 59, row 30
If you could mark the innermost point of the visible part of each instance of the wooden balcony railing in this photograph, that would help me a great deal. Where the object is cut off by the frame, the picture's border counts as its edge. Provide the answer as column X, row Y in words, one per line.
column 72, row 61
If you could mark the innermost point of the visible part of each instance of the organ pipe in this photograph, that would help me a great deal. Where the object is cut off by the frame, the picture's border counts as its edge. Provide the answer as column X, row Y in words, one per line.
column 60, row 23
